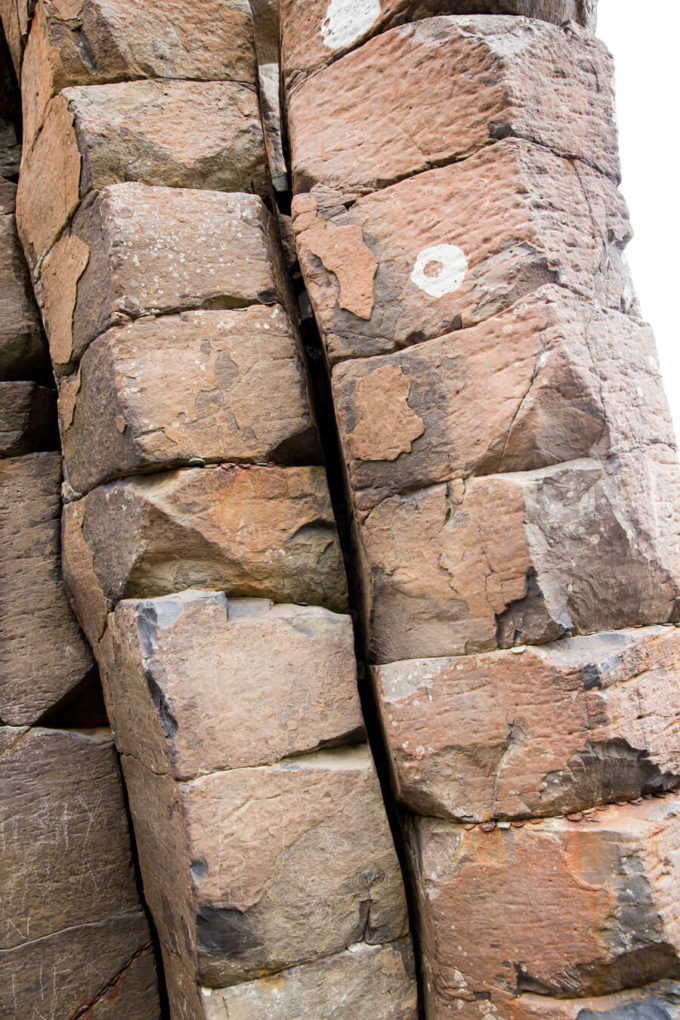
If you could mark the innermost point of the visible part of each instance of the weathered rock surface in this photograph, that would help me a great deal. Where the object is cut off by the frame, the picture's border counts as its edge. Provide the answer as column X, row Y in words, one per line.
column 15, row 16
column 219, row 386
column 136, row 251
column 139, row 131
column 28, row 419
column 23, row 352
column 364, row 982
column 318, row 31
column 660, row 1001
column 182, row 671
column 269, row 867
column 562, row 909
column 558, row 729
column 89, row 42
column 262, row 531
column 10, row 113
column 44, row 654
column 457, row 245
column 68, row 882
column 550, row 380
column 507, row 559
column 440, row 89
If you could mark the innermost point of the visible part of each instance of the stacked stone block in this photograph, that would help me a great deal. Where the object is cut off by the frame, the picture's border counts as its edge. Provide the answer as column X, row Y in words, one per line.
column 199, row 542
column 514, row 482
column 68, row 874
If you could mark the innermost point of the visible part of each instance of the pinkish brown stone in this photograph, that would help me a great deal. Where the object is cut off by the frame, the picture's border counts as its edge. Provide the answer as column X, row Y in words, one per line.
column 433, row 92
column 529, row 557
column 660, row 1001
column 551, row 731
column 28, row 419
column 15, row 16
column 182, row 671
column 90, row 42
column 44, row 654
column 260, row 532
column 219, row 386
column 563, row 909
column 318, row 31
column 549, row 380
column 136, row 251
column 457, row 245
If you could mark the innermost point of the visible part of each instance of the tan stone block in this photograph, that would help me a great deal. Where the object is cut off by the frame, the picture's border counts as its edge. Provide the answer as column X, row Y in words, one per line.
column 136, row 251
column 364, row 982
column 219, row 386
column 183, row 670
column 28, row 419
column 439, row 90
column 254, row 532
column 319, row 31
column 457, row 245
column 269, row 867
column 44, row 654
column 68, row 878
column 547, row 381
column 515, row 558
column 141, row 131
column 563, row 909
column 551, row 731
column 660, row 1001
column 91, row 42
column 23, row 352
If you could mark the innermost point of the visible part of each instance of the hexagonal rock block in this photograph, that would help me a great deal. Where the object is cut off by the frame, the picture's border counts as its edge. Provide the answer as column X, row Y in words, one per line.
column 563, row 909
column 28, row 419
column 319, row 31
column 181, row 671
column 457, row 245
column 219, row 386
column 660, row 1001
column 69, row 881
column 23, row 351
column 530, row 557
column 550, row 380
column 443, row 88
column 135, row 251
column 553, row 731
column 364, row 982
column 139, row 131
column 261, row 532
column 255, row 870
column 44, row 654
column 91, row 42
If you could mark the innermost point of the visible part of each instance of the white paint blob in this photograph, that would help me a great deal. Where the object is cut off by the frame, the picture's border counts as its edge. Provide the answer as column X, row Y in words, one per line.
column 440, row 269
column 347, row 20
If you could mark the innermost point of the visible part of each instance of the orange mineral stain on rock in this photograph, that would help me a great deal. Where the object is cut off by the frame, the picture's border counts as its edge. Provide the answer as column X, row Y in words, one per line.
column 386, row 425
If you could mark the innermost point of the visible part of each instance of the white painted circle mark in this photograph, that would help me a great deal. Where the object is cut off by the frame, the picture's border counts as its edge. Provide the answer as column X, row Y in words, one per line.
column 440, row 269
column 347, row 20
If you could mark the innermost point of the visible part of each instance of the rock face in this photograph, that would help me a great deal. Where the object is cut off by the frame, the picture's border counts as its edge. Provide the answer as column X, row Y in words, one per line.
column 23, row 352
column 28, row 419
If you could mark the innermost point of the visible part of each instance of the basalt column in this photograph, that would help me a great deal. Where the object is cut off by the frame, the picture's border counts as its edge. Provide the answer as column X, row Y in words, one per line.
column 199, row 542
column 515, row 489
column 74, row 937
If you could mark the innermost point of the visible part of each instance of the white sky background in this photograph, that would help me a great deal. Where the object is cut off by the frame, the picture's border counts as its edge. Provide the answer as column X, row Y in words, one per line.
column 643, row 38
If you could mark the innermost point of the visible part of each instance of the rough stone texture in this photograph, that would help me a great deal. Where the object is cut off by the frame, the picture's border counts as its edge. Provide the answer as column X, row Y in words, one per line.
column 660, row 1001
column 318, row 31
column 552, row 379
column 219, row 386
column 269, row 867
column 44, row 655
column 262, row 532
column 558, row 729
column 28, row 419
column 140, row 131
column 439, row 90
column 135, row 250
column 10, row 115
column 364, row 982
column 68, row 882
column 182, row 671
column 23, row 353
column 506, row 559
column 457, row 245
column 14, row 15
column 89, row 42
column 563, row 909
